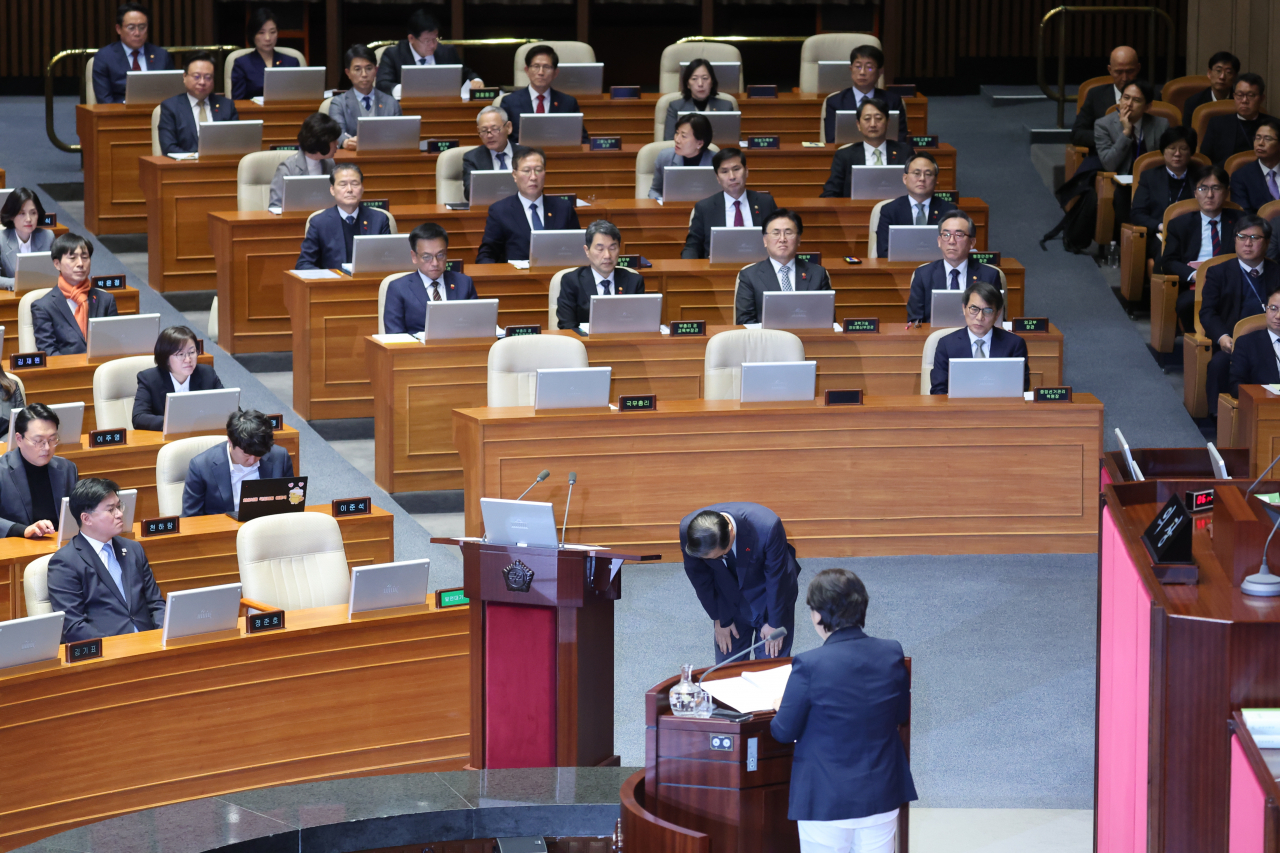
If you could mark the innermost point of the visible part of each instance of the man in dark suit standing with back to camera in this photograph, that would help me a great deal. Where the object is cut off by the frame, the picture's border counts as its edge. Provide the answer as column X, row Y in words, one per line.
column 955, row 271
column 182, row 115
column 735, row 206
column 421, row 46
column 919, row 206
column 134, row 52
column 601, row 277
column 405, row 310
column 1123, row 68
column 981, row 337
column 511, row 222
column 781, row 271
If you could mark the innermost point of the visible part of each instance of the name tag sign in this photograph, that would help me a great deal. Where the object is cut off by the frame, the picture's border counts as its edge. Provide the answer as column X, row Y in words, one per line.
column 352, row 506
column 762, row 91
column 846, row 397
column 160, row 526
column 28, row 360
column 1199, row 501
column 485, row 94
column 377, row 203
column 50, row 220
column 453, row 266
column 277, row 422
column 108, row 282
column 853, row 325
column 691, row 328
column 84, row 650
column 284, row 148
column 438, row 146
column 810, row 257
column 453, row 597
column 606, row 143
column 1054, row 394
column 759, row 142
column 272, row 620
column 515, row 331
column 1168, row 542
column 1031, row 324
column 924, row 142
column 634, row 262
column 107, row 437
column 989, row 258
column 947, row 195
column 637, row 402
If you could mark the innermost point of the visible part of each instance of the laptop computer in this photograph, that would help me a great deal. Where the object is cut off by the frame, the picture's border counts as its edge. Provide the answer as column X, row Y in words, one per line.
column 461, row 318
column 199, row 411
column 778, row 381
column 985, row 377
column 876, row 183
column 638, row 312
column 151, row 87
column 229, row 138
column 388, row 133
column 70, row 422
column 125, row 334
column 518, row 523
column 430, row 81
column 272, row 496
column 731, row 245
column 551, row 130
column 373, row 253
column 689, row 183
column 727, row 74
column 847, row 130
column 31, row 639
column 189, row 612
column 293, row 84
column 947, row 309
column 798, row 309
column 35, row 271
column 833, row 75
column 572, row 387
column 1134, row 471
column 914, row 243
column 307, row 192
column 384, row 585
column 726, row 126
column 557, row 247
column 69, row 525
column 490, row 185
column 580, row 78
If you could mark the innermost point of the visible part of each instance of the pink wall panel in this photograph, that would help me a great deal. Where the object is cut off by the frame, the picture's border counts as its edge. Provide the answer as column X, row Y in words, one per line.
column 1248, row 804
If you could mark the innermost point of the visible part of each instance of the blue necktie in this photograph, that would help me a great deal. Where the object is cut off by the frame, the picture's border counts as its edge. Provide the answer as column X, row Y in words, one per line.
column 368, row 102
column 955, row 279
column 502, row 160
column 113, row 569
column 534, row 218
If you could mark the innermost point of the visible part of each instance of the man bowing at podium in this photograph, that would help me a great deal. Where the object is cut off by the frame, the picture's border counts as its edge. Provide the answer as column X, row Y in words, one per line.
column 745, row 574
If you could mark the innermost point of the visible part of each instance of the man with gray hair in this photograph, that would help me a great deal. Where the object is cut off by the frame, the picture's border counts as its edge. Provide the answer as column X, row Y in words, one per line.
column 495, row 150
column 601, row 277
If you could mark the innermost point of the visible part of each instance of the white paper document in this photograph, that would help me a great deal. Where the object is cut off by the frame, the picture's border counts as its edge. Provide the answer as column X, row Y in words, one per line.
column 397, row 339
column 312, row 275
column 1264, row 726
column 751, row 691
column 520, row 265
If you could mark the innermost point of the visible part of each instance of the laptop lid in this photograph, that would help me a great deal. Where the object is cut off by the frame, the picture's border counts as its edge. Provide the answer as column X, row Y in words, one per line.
column 572, row 387
column 461, row 318
column 1219, row 465
column 640, row 312
column 70, row 421
column 293, row 84
column 580, row 78
column 947, row 309
column 731, row 245
column 307, row 193
column 847, row 130
column 199, row 411
column 490, row 185
column 726, row 125
column 35, row 271
column 430, row 81
column 557, row 248
column 985, row 377
column 151, row 87
column 230, row 138
column 189, row 612
column 727, row 74
column 798, row 309
column 518, row 523
column 1134, row 471
column 376, row 253
column 271, row 496
column 914, row 243
column 778, row 381
column 689, row 183
column 125, row 334
column 550, row 130
column 31, row 639
column 876, row 183
column 69, row 525
column 384, row 585
column 388, row 133
column 833, row 75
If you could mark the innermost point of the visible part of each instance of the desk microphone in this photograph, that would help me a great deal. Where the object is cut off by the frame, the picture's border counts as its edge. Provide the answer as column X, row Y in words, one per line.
column 777, row 634
column 1263, row 583
column 573, row 478
column 1255, row 485
column 544, row 475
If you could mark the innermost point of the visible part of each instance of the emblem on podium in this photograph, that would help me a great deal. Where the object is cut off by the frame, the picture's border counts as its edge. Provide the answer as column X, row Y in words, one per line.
column 518, row 577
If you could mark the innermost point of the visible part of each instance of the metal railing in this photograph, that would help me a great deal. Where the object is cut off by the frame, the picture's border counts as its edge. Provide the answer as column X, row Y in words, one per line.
column 744, row 38
column 1061, row 95
column 374, row 45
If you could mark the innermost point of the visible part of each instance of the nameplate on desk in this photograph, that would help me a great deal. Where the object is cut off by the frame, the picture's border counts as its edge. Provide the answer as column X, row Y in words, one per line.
column 988, row 258
column 84, row 650
column 453, row 597
column 1030, row 324
column 634, row 262
column 27, row 360
column 691, row 328
column 760, row 142
column 762, row 91
column 947, row 195
column 902, row 90
column 272, row 620
column 637, row 402
column 277, row 422
column 1053, row 394
column 1199, row 501
column 352, row 506
column 1168, row 542
column 854, row 325
column 107, row 437
column 624, row 93
column 376, row 203
column 50, row 220
column 160, row 526
column 515, row 331
column 437, row 146
column 810, row 257
column 283, row 148
column 453, row 265
column 108, row 282
column 843, row 397
column 485, row 94
column 924, row 142
column 605, row 143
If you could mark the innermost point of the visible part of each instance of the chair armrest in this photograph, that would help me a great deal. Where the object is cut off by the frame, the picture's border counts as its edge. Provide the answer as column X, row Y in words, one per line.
column 1133, row 260
column 1104, row 228
column 247, row 604
column 1164, row 314
column 1074, row 157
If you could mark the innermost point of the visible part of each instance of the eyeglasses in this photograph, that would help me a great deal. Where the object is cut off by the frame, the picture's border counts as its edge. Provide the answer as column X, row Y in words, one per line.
column 1210, row 189
column 41, row 443
column 186, row 354
column 201, row 78
column 976, row 312
column 778, row 235
column 928, row 173
column 424, row 257
column 953, row 236
column 540, row 67
column 532, row 171
column 134, row 28
column 429, row 40
column 489, row 131
column 1273, row 309
column 1250, row 238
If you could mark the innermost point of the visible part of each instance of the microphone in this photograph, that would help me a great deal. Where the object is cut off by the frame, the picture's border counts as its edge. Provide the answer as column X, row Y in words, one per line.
column 1255, row 485
column 573, row 478
column 1263, row 583
column 778, row 634
column 544, row 475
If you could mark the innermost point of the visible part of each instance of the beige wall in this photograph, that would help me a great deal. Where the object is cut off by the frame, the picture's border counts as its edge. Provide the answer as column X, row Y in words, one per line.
column 1246, row 28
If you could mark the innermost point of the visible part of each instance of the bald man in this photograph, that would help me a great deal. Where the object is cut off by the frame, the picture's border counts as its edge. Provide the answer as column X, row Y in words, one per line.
column 1124, row 69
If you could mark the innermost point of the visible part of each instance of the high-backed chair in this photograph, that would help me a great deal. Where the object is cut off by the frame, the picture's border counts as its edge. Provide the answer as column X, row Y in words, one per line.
column 377, row 54
column 1203, row 113
column 1164, row 288
column 726, row 351
column 873, row 245
column 213, row 319
column 391, row 221
column 35, row 586
column 449, row 189
column 712, row 51
column 1177, row 90
column 514, row 364
column 926, row 358
column 829, row 47
column 1197, row 349
column 155, row 132
column 1228, row 406
column 1271, row 212
column 90, row 96
column 382, row 298
column 293, row 561
column 1240, row 158
column 172, row 463
column 27, row 329
column 664, row 101
column 568, row 51
column 229, row 63
column 254, row 176
column 115, row 384
column 1075, row 154
column 553, row 297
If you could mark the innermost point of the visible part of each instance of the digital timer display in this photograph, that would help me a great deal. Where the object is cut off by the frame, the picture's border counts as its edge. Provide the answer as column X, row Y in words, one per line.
column 352, row 506
column 688, row 327
column 1199, row 501
column 485, row 94
column 160, row 526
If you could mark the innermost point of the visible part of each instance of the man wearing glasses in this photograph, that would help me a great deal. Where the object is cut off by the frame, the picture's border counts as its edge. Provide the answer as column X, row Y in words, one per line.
column 407, row 297
column 112, row 64
column 1194, row 238
column 1231, row 134
column 33, row 481
column 421, row 46
column 781, row 271
column 541, row 64
column 1255, row 357
column 495, row 152
column 918, row 206
column 954, row 272
column 981, row 337
column 182, row 115
column 1233, row 292
column 513, row 219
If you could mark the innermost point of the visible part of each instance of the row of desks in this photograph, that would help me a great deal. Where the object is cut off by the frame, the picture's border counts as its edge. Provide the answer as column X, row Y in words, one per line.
column 126, row 303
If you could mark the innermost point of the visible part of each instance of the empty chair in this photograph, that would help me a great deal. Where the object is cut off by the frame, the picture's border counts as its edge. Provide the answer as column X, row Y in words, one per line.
column 90, row 96
column 712, row 51
column 115, row 385
column 568, row 51
column 26, row 328
column 926, row 360
column 830, row 47
column 293, row 561
column 171, row 469
column 155, row 132
column 35, row 586
column 514, row 364
column 254, row 176
column 449, row 175
column 726, row 351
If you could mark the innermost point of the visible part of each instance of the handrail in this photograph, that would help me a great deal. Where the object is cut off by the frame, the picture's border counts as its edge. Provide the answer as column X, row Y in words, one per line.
column 744, row 38
column 374, row 45
column 1061, row 95
column 90, row 51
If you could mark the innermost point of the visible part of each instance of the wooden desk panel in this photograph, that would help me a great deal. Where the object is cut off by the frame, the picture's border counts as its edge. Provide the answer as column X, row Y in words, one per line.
column 126, row 303
column 1259, row 426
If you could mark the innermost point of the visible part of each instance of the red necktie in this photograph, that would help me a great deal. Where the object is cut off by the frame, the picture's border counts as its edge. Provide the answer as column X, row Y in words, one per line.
column 136, row 65
column 540, row 108
column 1213, row 234
column 737, row 214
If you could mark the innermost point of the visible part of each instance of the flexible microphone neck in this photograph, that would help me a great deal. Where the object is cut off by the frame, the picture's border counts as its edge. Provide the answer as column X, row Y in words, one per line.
column 777, row 634
column 544, row 475
column 1260, row 476
column 573, row 478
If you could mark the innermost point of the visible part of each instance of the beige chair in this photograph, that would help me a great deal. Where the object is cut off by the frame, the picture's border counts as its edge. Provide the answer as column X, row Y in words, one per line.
column 382, row 298
column 926, row 359
column 115, row 384
column 213, row 320
column 712, row 51
column 660, row 111
column 568, row 51
column 449, row 189
column 254, row 176
column 35, row 586
column 645, row 160
column 1228, row 406
column 377, row 54
column 155, row 132
column 726, row 351
column 391, row 221
column 553, row 298
column 293, row 561
column 872, row 246
column 171, row 469
column 27, row 329
column 229, row 63
column 514, row 364
column 829, row 47
column 90, row 96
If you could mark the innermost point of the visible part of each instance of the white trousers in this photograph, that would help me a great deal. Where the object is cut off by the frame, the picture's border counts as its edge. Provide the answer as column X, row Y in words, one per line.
column 873, row 834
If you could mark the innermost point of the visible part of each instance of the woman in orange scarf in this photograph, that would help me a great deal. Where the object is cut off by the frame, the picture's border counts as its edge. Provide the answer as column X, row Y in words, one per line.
column 61, row 317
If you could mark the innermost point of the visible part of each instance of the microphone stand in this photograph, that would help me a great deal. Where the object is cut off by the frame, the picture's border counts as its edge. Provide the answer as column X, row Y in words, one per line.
column 1263, row 583
column 573, row 478
column 777, row 634
column 1259, row 480
column 544, row 475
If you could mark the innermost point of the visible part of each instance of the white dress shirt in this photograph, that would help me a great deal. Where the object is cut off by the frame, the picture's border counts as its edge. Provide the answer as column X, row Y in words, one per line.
column 128, row 56
column 963, row 269
column 195, row 111
column 239, row 474
column 859, row 96
column 600, row 287
column 71, row 303
column 180, row 387
column 540, row 201
column 745, row 208
column 508, row 153
column 1266, row 171
column 24, row 247
column 1206, row 236
column 117, row 573
column 426, row 283
column 986, row 342
column 791, row 271
column 869, row 149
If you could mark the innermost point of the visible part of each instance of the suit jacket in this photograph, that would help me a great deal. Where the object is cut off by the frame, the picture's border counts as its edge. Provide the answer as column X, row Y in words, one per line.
column 842, row 707
column 1182, row 243
column 933, row 276
column 956, row 345
column 1155, row 192
column 81, row 587
column 479, row 158
column 837, row 185
column 518, row 102
column 155, row 384
column 710, row 213
column 112, row 64
column 766, row 581
column 324, row 247
column 1096, row 103
column 668, row 157
column 748, row 303
column 1117, row 151
column 295, row 166
column 177, row 130
column 1227, row 296
column 16, row 512
column 41, row 240
column 207, row 490
column 345, row 110
column 1204, row 96
column 56, row 329
column 684, row 105
column 1253, row 361
column 399, row 54
column 506, row 230
column 248, row 71
column 405, row 310
column 900, row 211
column 1249, row 187
column 573, row 306
column 846, row 100
column 1227, row 135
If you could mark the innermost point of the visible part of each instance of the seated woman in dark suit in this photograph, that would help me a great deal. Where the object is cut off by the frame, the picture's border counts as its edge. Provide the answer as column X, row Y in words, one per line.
column 842, row 707
column 693, row 138
column 20, row 217
column 701, row 92
column 247, row 72
column 176, row 372
column 60, row 318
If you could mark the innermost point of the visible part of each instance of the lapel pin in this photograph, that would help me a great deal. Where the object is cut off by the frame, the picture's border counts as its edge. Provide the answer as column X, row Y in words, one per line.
column 364, row 222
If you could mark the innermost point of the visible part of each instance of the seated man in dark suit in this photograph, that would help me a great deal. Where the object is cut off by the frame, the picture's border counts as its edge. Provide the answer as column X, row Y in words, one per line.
column 1233, row 291
column 745, row 575
column 1160, row 187
column 865, row 64
column 1257, row 183
column 782, row 270
column 542, row 64
column 214, row 477
column 317, row 143
column 874, row 150
column 362, row 100
column 1223, row 69
column 1123, row 68
column 177, row 371
column 954, row 272
column 181, row 115
column 514, row 218
column 61, row 317
column 99, row 579
column 421, row 47
column 1231, row 134
column 405, row 310
column 736, row 206
column 495, row 152
column 1196, row 237
column 919, row 206
column 982, row 337
column 112, row 64
column 601, row 277
column 33, row 481
column 1255, row 357
column 332, row 234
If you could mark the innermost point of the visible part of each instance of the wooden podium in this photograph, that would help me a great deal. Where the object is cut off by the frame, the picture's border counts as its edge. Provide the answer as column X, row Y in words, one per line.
column 541, row 653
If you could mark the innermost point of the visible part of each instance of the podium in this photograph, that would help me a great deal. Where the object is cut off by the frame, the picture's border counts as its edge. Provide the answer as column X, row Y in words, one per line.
column 541, row 653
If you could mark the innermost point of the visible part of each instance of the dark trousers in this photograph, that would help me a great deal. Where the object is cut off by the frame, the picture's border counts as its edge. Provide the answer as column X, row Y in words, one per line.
column 749, row 634
column 1185, row 308
column 1218, row 378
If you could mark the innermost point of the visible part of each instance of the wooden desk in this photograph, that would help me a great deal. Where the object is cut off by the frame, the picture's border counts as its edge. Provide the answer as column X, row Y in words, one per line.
column 1259, row 426
column 321, row 699
column 126, row 303
column 1255, row 791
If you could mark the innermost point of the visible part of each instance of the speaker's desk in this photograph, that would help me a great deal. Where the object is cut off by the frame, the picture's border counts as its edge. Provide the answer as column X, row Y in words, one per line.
column 323, row 698
column 126, row 303
column 1259, row 426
